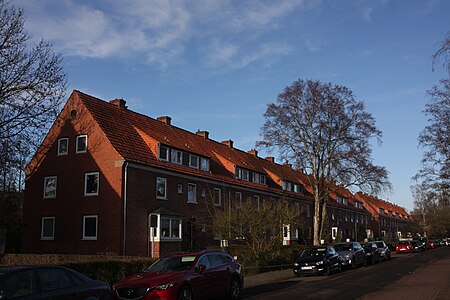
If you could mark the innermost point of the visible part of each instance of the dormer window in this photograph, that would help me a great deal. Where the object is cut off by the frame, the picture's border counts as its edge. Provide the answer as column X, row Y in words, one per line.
column 342, row 200
column 286, row 186
column 163, row 153
column 176, row 156
column 245, row 175
column 358, row 204
column 204, row 164
column 381, row 211
column 193, row 161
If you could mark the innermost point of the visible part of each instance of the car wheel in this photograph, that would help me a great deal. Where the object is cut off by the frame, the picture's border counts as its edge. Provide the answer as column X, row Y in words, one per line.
column 354, row 265
column 326, row 270
column 235, row 289
column 185, row 293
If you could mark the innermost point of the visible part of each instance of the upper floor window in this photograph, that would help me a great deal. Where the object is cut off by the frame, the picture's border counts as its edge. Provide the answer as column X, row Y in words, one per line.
column 308, row 210
column 91, row 184
column 358, row 204
column 381, row 211
column 193, row 161
column 63, row 146
column 161, row 188
column 81, row 146
column 204, row 164
column 192, row 193
column 390, row 213
column 50, row 187
column 90, row 227
column 245, row 175
column 48, row 228
column 217, row 197
column 176, row 156
column 180, row 188
column 286, row 186
column 163, row 153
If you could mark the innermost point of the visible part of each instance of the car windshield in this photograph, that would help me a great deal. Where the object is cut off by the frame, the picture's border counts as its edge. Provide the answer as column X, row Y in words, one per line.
column 367, row 246
column 172, row 264
column 314, row 252
column 403, row 243
column 343, row 247
column 380, row 244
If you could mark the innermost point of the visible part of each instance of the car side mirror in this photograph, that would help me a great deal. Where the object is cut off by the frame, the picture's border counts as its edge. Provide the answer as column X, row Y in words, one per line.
column 201, row 268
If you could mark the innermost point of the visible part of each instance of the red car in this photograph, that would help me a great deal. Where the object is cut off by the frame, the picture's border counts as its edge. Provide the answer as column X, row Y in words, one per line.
column 431, row 244
column 404, row 247
column 195, row 275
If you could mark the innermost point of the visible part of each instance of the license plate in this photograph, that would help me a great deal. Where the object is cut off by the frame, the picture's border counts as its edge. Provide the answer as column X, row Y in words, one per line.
column 307, row 268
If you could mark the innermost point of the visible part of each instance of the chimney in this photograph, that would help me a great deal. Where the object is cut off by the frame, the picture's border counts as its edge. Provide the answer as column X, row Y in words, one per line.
column 288, row 165
column 229, row 143
column 120, row 103
column 203, row 133
column 271, row 159
column 164, row 119
column 253, row 152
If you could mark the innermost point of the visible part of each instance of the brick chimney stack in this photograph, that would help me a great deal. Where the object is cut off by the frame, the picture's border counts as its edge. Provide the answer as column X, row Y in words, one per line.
column 203, row 133
column 165, row 119
column 253, row 152
column 120, row 103
column 229, row 143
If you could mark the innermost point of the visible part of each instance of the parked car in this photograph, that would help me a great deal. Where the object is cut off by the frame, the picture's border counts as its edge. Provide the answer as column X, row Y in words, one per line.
column 49, row 282
column 385, row 252
column 417, row 246
column 431, row 244
column 317, row 260
column 352, row 254
column 194, row 275
column 373, row 253
column 404, row 247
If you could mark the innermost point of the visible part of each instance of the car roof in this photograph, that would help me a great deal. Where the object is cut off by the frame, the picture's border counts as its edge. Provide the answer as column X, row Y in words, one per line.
column 11, row 269
column 195, row 253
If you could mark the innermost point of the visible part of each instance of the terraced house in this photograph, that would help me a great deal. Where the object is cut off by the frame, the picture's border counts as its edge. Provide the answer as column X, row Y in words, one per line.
column 107, row 180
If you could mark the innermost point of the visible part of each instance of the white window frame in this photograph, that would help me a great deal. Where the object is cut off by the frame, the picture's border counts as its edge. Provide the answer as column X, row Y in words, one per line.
column 160, row 151
column 47, row 238
column 219, row 193
column 60, row 152
column 90, row 238
column 85, row 184
column 180, row 188
column 256, row 177
column 176, row 156
column 46, row 195
column 334, row 232
column 245, row 175
column 262, row 179
column 162, row 179
column 204, row 164
column 171, row 224
column 237, row 173
column 78, row 141
column 192, row 193
column 191, row 164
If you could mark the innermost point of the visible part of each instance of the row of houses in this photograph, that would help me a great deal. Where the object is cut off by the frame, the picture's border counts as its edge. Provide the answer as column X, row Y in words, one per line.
column 107, row 180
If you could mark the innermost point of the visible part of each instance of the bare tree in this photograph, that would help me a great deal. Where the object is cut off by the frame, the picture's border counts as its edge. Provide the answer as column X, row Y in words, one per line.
column 321, row 129
column 443, row 53
column 32, row 87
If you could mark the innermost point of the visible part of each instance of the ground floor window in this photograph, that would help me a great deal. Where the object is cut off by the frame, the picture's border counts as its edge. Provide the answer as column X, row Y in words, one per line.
column 90, row 224
column 48, row 228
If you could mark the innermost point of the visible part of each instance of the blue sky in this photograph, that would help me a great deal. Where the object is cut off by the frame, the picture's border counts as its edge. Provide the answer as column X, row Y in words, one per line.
column 215, row 65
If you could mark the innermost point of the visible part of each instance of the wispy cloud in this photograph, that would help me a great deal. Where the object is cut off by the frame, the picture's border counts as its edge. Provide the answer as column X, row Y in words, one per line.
column 161, row 31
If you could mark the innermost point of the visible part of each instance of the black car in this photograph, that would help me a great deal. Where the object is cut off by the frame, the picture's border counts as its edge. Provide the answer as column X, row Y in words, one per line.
column 317, row 260
column 373, row 253
column 49, row 282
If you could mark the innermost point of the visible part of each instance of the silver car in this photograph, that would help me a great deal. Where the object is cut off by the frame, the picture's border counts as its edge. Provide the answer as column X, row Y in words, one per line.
column 352, row 254
column 385, row 251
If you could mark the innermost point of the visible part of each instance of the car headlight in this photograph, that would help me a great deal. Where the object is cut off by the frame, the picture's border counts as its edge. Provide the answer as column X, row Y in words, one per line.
column 165, row 286
column 296, row 264
column 319, row 263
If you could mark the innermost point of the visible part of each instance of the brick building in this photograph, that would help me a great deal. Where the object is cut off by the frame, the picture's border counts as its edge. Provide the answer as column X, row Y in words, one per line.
column 112, row 181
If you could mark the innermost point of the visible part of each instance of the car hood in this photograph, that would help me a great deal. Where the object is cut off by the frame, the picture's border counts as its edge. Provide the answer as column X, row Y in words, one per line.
column 148, row 279
column 344, row 252
column 308, row 259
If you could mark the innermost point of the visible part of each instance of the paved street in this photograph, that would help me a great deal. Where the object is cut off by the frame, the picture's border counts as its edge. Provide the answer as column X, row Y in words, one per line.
column 408, row 276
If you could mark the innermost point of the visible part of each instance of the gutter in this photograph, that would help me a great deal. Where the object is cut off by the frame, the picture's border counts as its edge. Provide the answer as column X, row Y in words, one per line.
column 124, row 237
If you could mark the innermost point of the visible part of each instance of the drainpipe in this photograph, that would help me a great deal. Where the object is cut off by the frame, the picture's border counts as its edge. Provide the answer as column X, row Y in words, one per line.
column 125, row 207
